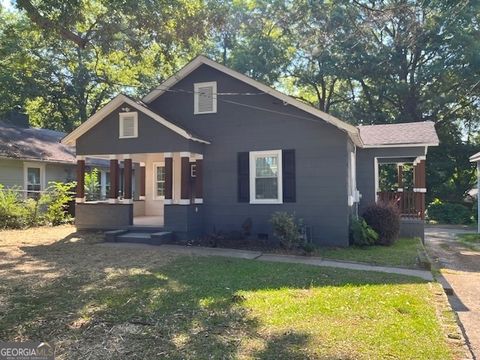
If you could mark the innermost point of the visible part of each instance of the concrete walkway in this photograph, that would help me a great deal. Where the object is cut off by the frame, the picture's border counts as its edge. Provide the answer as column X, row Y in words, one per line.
column 257, row 255
column 460, row 267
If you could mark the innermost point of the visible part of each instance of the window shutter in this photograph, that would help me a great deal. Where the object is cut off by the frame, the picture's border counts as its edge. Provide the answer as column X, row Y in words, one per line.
column 288, row 174
column 205, row 99
column 243, row 177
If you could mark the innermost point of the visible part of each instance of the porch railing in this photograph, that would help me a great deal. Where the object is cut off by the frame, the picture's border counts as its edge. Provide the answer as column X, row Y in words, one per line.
column 411, row 204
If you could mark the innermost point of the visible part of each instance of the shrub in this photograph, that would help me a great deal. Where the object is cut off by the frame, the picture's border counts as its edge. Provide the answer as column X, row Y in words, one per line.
column 361, row 234
column 449, row 213
column 13, row 213
column 92, row 185
column 54, row 201
column 287, row 229
column 384, row 218
column 308, row 248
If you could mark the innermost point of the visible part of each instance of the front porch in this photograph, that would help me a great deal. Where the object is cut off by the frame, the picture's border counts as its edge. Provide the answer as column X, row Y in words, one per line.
column 143, row 191
column 407, row 191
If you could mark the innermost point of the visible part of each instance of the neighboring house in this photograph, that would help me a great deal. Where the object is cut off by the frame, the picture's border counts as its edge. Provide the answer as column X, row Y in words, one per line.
column 476, row 158
column 30, row 158
column 213, row 148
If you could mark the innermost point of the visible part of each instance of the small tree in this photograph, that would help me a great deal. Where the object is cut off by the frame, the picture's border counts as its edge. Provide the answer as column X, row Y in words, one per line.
column 287, row 229
column 92, row 185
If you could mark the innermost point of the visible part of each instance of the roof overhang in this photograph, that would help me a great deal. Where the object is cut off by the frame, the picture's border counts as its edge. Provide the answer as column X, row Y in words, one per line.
column 351, row 130
column 399, row 145
column 475, row 157
column 71, row 138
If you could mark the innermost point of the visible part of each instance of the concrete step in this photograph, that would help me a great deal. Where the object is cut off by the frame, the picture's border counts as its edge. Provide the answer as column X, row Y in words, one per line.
column 142, row 237
column 111, row 235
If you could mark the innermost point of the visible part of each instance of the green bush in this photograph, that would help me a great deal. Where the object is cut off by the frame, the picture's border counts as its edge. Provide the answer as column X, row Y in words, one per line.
column 16, row 212
column 361, row 234
column 287, row 229
column 92, row 185
column 13, row 212
column 449, row 213
column 384, row 218
column 54, row 201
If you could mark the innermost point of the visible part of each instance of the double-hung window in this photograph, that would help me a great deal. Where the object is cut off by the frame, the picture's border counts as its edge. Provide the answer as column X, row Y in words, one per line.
column 159, row 190
column 266, row 177
column 34, row 179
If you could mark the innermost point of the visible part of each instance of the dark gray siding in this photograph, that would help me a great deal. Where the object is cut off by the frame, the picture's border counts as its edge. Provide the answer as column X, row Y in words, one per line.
column 321, row 156
column 366, row 168
column 103, row 138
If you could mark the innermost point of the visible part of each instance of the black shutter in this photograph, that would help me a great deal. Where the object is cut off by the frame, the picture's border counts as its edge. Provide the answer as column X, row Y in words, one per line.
column 288, row 173
column 243, row 177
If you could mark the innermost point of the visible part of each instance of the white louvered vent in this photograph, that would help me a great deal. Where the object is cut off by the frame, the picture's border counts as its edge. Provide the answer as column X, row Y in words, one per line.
column 205, row 98
column 128, row 125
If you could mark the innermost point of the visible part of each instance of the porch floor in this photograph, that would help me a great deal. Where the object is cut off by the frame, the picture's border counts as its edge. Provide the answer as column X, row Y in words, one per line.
column 155, row 221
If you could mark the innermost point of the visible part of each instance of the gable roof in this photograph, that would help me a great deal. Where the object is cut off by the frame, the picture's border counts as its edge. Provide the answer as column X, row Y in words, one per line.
column 112, row 105
column 34, row 144
column 475, row 157
column 396, row 135
column 202, row 60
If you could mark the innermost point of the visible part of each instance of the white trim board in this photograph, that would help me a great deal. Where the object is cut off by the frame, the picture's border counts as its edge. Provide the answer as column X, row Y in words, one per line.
column 200, row 60
column 252, row 163
column 112, row 105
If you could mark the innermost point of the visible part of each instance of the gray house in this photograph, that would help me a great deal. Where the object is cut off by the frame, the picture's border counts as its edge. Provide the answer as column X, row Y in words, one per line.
column 211, row 148
column 30, row 157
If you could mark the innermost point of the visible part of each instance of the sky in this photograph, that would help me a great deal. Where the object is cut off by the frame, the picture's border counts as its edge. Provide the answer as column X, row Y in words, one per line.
column 6, row 4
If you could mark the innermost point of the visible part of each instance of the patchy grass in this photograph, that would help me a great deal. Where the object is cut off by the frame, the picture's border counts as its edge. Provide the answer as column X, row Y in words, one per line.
column 403, row 252
column 470, row 240
column 106, row 302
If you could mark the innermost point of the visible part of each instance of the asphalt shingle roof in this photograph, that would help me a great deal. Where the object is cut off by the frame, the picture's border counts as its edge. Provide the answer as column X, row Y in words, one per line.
column 33, row 143
column 399, row 134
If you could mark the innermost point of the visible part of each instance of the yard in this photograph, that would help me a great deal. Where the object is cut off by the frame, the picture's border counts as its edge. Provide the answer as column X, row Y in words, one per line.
column 99, row 302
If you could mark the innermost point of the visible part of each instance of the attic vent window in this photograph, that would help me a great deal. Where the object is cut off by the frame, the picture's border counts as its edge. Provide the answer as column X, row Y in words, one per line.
column 128, row 125
column 205, row 97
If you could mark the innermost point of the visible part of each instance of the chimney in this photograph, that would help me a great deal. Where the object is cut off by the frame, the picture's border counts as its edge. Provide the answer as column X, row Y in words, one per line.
column 15, row 117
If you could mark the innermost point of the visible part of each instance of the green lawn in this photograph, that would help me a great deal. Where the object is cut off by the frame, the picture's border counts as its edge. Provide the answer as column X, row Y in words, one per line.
column 100, row 302
column 471, row 240
column 403, row 253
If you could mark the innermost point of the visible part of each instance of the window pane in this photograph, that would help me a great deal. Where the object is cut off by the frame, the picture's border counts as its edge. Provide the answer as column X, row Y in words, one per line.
column 160, row 173
column 266, row 188
column 33, row 176
column 160, row 181
column 266, row 166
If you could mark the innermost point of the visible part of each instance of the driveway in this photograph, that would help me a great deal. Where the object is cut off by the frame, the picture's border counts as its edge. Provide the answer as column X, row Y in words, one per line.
column 461, row 268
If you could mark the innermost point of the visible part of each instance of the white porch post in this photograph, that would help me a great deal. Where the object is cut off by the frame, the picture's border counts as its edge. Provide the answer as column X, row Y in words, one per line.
column 478, row 197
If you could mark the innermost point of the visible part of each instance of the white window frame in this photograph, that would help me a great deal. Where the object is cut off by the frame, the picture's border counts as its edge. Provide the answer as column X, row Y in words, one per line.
column 193, row 170
column 135, row 122
column 155, row 169
column 253, row 155
column 196, row 93
column 26, row 166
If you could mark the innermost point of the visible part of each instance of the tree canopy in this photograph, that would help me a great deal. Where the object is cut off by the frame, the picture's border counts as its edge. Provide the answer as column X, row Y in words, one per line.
column 364, row 61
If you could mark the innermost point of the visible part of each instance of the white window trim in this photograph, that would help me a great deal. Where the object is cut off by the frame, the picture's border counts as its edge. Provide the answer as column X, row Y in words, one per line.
column 135, row 121
column 40, row 166
column 252, row 157
column 155, row 165
column 196, row 87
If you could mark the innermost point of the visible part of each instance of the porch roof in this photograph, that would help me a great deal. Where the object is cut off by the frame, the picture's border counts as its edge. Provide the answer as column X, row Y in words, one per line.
column 404, row 134
column 71, row 138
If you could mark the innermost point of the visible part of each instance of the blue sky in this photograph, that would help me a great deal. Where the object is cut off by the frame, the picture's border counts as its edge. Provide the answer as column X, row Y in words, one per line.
column 6, row 4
